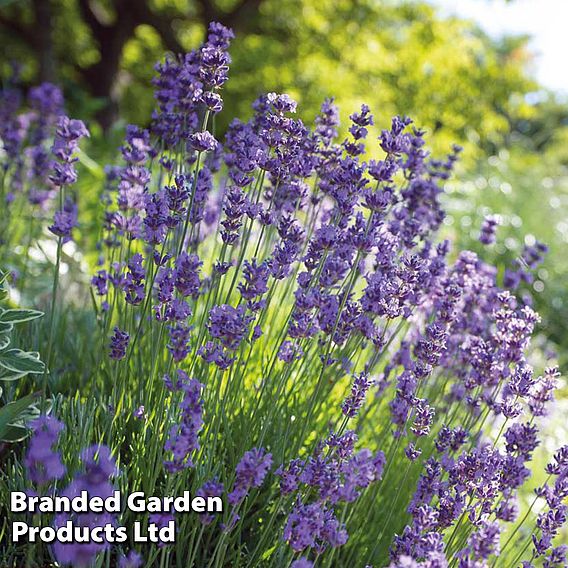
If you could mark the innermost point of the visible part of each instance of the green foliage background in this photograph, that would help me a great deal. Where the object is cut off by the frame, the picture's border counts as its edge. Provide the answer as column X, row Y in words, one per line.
column 399, row 57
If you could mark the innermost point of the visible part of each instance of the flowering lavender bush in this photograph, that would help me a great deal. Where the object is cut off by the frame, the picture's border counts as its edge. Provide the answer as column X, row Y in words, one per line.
column 278, row 324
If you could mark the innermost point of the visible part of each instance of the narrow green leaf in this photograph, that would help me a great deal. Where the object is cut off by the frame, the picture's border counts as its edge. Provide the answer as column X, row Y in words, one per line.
column 21, row 361
column 4, row 341
column 6, row 327
column 31, row 413
column 268, row 553
column 17, row 316
column 11, row 411
column 15, row 433
column 18, row 431
column 6, row 375
column 94, row 167
column 37, row 408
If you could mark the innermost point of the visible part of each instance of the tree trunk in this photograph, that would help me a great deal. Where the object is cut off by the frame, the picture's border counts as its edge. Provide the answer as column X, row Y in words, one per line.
column 44, row 30
column 101, row 77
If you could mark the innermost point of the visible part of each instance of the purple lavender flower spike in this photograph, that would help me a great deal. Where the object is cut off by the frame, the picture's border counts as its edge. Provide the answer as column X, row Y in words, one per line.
column 133, row 283
column 187, row 281
column 118, row 344
column 203, row 142
column 229, row 325
column 98, row 467
column 302, row 563
column 313, row 526
column 179, row 338
column 488, row 229
column 183, row 438
column 209, row 489
column 132, row 560
column 250, row 472
column 361, row 384
column 255, row 280
column 43, row 463
column 65, row 220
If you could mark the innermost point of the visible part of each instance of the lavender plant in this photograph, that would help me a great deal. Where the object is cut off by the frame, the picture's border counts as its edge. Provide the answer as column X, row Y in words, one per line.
column 278, row 323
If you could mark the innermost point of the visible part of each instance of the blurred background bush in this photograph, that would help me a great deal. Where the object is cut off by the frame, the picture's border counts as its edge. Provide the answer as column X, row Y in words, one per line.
column 405, row 57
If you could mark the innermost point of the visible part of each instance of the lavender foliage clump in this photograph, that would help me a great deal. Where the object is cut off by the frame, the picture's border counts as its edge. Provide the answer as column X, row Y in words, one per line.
column 288, row 284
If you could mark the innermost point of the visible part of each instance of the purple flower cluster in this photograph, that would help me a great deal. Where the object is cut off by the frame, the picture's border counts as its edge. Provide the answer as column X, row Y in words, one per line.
column 133, row 281
column 133, row 179
column 301, row 563
column 361, row 384
column 337, row 476
column 228, row 327
column 250, row 472
column 523, row 267
column 118, row 344
column 65, row 220
column 98, row 467
column 26, row 135
column 255, row 282
column 43, row 462
column 554, row 516
column 312, row 526
column 66, row 143
column 488, row 230
column 186, row 83
column 183, row 438
column 132, row 560
column 212, row 488
column 477, row 484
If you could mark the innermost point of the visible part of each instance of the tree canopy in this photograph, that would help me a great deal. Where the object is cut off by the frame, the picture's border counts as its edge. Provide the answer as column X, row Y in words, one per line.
column 401, row 57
